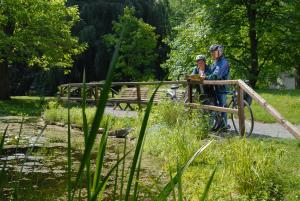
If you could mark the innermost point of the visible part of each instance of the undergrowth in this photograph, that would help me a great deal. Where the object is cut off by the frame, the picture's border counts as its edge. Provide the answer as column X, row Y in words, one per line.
column 249, row 169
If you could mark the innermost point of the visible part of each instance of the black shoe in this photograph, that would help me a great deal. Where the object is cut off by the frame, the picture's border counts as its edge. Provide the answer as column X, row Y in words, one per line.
column 224, row 128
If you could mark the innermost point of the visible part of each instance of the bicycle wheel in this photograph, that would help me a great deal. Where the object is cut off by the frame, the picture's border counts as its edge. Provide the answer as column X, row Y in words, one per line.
column 213, row 118
column 249, row 119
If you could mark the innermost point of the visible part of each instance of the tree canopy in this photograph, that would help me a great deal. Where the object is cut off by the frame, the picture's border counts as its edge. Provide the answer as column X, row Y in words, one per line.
column 255, row 34
column 260, row 38
column 137, row 51
column 36, row 32
column 96, row 21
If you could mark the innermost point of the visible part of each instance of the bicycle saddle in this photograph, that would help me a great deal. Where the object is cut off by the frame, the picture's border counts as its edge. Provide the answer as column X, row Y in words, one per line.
column 174, row 86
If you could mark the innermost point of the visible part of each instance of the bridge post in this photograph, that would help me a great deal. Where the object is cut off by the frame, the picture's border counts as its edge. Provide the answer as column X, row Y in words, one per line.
column 96, row 95
column 138, row 95
column 241, row 114
column 190, row 91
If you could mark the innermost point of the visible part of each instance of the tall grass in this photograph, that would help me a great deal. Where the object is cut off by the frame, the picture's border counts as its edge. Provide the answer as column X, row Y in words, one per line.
column 256, row 170
column 98, row 184
column 58, row 113
column 175, row 132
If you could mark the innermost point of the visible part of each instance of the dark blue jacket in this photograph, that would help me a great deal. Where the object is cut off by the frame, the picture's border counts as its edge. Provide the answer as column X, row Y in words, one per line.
column 220, row 71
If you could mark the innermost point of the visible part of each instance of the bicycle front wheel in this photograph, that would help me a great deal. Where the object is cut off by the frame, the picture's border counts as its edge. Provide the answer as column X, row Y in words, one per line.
column 249, row 119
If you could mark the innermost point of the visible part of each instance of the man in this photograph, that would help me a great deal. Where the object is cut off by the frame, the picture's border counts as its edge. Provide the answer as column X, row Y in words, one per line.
column 219, row 71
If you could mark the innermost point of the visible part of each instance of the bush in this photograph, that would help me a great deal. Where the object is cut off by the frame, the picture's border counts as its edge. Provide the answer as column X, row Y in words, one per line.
column 174, row 132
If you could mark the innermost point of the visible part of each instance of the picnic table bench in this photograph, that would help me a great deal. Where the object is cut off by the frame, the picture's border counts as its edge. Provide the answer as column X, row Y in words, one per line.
column 134, row 95
column 131, row 95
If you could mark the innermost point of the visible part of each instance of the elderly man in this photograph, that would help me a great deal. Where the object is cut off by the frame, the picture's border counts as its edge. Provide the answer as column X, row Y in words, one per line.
column 219, row 71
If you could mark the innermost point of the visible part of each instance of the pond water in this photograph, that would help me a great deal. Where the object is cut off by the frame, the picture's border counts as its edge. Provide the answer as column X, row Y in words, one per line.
column 39, row 172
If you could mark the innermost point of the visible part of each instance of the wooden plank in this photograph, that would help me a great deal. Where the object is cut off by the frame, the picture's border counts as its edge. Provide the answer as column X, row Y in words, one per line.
column 280, row 119
column 241, row 114
column 206, row 82
column 213, row 108
column 124, row 100
column 220, row 82
column 77, row 99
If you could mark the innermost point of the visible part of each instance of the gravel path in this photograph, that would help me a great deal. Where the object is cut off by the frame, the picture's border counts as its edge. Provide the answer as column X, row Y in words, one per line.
column 261, row 129
column 272, row 129
column 120, row 113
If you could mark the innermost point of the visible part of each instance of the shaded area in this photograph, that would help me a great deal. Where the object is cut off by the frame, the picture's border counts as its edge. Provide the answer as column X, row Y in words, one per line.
column 23, row 105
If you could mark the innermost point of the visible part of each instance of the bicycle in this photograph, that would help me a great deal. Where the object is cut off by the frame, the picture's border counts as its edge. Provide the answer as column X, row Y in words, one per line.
column 215, row 118
column 172, row 92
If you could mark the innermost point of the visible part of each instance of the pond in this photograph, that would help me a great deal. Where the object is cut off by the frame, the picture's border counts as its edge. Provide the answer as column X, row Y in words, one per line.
column 34, row 166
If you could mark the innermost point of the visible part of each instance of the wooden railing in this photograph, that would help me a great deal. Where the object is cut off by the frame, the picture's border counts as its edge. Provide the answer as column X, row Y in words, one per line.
column 95, row 88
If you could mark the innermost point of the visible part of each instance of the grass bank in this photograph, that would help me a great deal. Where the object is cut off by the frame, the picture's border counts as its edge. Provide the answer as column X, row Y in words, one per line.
column 287, row 102
column 249, row 169
column 254, row 169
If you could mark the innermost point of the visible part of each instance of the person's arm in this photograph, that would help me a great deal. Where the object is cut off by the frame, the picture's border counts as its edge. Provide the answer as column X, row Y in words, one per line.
column 195, row 71
column 219, row 72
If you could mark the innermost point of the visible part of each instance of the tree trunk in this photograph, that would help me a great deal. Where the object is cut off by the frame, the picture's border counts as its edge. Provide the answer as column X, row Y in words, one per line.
column 4, row 81
column 254, row 70
column 298, row 77
column 4, row 75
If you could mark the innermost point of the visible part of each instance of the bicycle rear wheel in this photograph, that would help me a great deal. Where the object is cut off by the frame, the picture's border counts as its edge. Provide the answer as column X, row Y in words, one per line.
column 249, row 119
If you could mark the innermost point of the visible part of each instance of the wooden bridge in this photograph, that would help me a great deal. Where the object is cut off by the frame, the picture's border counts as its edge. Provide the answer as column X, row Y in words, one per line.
column 94, row 90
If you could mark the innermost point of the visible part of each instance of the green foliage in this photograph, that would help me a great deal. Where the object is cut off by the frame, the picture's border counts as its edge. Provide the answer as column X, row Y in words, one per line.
column 191, row 38
column 137, row 52
column 96, row 21
column 255, row 169
column 38, row 32
column 172, row 128
column 260, row 56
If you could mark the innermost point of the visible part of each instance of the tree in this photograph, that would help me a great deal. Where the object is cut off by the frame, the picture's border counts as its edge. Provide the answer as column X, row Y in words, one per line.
column 137, row 51
column 188, row 39
column 36, row 32
column 255, row 35
column 96, row 21
column 255, row 31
